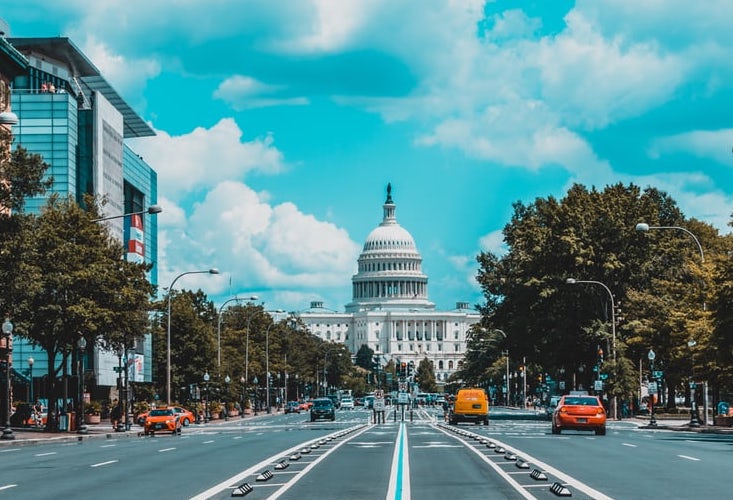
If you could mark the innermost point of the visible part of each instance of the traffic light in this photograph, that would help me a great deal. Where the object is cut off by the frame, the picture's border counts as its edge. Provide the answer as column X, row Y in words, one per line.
column 403, row 369
column 600, row 356
column 410, row 368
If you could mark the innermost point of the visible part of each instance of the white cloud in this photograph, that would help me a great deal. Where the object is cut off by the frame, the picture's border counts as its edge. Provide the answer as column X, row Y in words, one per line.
column 201, row 159
column 243, row 92
column 711, row 144
column 260, row 246
column 493, row 242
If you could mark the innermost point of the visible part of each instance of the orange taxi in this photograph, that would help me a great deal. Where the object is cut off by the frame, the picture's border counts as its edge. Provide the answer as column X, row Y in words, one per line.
column 580, row 413
column 186, row 416
column 163, row 420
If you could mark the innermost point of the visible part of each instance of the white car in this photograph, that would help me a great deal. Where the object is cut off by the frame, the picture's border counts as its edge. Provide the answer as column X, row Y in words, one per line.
column 347, row 403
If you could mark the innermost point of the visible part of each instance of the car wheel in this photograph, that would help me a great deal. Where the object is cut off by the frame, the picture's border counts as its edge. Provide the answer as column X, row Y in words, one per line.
column 601, row 431
column 555, row 429
column 486, row 421
column 186, row 422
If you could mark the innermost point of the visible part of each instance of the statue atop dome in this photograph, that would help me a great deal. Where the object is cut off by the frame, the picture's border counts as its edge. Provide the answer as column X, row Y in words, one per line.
column 389, row 193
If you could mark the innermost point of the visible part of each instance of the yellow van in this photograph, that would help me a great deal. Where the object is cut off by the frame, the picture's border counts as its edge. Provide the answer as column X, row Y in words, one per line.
column 470, row 405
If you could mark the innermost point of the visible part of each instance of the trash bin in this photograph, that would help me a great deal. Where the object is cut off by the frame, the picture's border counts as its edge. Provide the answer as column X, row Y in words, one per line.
column 723, row 408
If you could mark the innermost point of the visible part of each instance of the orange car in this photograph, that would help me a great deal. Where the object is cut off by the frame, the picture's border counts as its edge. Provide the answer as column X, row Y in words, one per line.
column 163, row 420
column 185, row 415
column 580, row 413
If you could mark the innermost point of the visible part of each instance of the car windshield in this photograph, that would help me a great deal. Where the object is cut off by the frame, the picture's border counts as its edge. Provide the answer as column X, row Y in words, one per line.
column 322, row 403
column 578, row 401
column 160, row 413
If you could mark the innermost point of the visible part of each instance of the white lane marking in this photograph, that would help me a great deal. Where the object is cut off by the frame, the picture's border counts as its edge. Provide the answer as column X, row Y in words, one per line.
column 561, row 475
column 104, row 463
column 163, row 450
column 208, row 442
column 226, row 484
column 108, row 446
column 510, row 480
column 629, row 445
column 8, row 486
column 399, row 481
column 9, row 449
column 237, row 437
column 689, row 458
column 437, row 446
column 44, row 454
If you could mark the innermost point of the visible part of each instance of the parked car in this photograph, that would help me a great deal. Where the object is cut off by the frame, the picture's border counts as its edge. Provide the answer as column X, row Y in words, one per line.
column 292, row 407
column 187, row 417
column 347, row 403
column 162, row 420
column 323, row 409
column 580, row 413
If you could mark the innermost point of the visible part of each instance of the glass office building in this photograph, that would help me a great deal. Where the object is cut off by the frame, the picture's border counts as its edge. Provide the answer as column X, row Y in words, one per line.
column 70, row 115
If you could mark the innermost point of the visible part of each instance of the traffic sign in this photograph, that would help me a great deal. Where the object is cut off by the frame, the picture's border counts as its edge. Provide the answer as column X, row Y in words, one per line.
column 403, row 398
column 658, row 373
column 604, row 376
column 117, row 369
column 652, row 387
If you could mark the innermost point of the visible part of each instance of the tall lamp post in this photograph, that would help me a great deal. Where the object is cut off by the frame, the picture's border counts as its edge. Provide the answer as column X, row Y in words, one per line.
column 213, row 270
column 30, row 374
column 694, row 419
column 7, row 333
column 206, row 401
column 81, row 427
column 218, row 326
column 243, row 381
column 573, row 281
column 644, row 227
column 226, row 396
column 651, row 356
column 254, row 382
column 267, row 360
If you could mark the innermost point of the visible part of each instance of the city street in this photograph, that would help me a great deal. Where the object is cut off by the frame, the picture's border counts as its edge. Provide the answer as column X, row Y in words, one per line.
column 352, row 458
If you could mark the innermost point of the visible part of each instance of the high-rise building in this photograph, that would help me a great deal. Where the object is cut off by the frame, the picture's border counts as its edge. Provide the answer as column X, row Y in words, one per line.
column 390, row 311
column 71, row 116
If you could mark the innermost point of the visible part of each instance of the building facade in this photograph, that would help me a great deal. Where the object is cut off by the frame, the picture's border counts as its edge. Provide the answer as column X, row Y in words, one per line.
column 390, row 311
column 71, row 116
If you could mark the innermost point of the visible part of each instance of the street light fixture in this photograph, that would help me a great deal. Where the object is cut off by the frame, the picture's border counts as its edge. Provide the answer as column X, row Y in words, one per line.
column 218, row 327
column 573, row 281
column 206, row 401
column 267, row 359
column 213, row 270
column 81, row 427
column 152, row 210
column 31, row 400
column 7, row 333
column 652, row 356
column 644, row 227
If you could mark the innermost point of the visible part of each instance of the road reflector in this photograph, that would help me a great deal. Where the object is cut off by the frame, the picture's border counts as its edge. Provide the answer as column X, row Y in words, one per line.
column 538, row 475
column 266, row 475
column 281, row 465
column 295, row 456
column 510, row 456
column 242, row 490
column 560, row 490
column 522, row 464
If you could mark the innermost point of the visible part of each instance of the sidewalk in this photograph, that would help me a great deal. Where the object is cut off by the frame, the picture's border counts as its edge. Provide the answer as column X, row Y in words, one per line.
column 24, row 436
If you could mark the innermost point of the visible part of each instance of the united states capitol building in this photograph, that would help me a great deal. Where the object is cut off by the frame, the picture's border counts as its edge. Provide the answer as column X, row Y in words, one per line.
column 390, row 311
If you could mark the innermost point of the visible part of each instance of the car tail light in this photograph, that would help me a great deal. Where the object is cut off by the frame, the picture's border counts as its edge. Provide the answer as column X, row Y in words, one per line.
column 562, row 409
column 600, row 411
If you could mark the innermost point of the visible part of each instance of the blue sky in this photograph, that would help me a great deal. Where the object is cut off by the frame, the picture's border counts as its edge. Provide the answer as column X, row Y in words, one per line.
column 280, row 123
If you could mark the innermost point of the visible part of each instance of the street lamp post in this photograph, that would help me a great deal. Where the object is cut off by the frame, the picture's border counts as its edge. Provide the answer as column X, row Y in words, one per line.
column 254, row 382
column 226, row 396
column 218, row 326
column 81, row 427
column 213, row 270
column 7, row 333
column 121, row 390
column 206, row 401
column 652, row 419
column 644, row 227
column 243, row 381
column 267, row 360
column 573, row 281
column 694, row 419
column 30, row 374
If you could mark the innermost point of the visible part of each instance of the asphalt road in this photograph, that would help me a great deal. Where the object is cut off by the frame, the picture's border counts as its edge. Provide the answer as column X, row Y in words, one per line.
column 288, row 457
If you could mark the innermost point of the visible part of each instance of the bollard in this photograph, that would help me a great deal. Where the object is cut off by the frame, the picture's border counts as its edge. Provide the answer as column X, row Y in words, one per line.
column 410, row 414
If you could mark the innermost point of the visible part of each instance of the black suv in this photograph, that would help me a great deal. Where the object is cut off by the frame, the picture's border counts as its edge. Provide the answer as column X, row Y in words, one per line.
column 323, row 409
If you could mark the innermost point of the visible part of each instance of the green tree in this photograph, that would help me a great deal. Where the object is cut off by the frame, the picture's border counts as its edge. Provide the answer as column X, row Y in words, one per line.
column 590, row 235
column 81, row 287
column 364, row 357
column 425, row 376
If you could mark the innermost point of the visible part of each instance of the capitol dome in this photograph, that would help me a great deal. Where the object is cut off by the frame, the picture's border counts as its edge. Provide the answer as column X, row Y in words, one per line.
column 389, row 268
